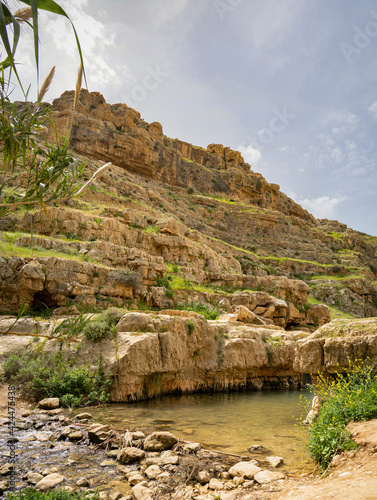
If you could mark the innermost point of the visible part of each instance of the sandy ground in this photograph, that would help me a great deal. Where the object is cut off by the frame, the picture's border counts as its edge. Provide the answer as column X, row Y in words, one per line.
column 353, row 476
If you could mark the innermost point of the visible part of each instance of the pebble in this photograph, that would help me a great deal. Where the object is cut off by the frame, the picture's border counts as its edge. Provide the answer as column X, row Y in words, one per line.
column 215, row 484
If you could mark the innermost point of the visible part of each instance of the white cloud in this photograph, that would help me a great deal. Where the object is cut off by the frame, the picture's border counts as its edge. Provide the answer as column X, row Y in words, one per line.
column 322, row 207
column 373, row 110
column 251, row 154
column 341, row 116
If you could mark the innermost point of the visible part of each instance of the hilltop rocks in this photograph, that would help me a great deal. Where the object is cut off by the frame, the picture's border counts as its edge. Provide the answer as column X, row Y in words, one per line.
column 117, row 133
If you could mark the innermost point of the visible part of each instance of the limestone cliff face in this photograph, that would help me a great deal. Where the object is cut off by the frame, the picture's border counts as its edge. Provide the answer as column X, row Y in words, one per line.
column 117, row 133
column 332, row 347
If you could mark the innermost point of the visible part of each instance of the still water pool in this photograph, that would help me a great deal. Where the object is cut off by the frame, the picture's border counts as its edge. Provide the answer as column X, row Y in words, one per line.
column 229, row 422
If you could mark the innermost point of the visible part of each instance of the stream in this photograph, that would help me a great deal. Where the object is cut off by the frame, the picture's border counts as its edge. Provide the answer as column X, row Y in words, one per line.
column 229, row 422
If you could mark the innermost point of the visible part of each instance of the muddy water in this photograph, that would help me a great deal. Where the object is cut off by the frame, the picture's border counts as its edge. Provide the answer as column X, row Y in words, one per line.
column 229, row 422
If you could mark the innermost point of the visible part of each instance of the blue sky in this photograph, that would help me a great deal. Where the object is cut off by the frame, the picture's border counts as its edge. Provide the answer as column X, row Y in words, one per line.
column 291, row 83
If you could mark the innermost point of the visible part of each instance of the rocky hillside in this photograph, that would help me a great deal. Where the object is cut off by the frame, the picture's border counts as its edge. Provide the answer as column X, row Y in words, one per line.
column 172, row 223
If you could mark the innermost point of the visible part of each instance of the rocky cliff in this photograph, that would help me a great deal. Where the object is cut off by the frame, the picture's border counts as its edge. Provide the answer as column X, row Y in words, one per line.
column 165, row 202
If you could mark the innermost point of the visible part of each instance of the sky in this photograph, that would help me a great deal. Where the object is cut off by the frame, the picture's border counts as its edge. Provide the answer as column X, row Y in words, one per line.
column 292, row 84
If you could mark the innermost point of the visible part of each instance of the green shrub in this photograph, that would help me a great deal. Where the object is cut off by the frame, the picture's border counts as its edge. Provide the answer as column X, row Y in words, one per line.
column 207, row 311
column 44, row 374
column 58, row 494
column 103, row 325
column 164, row 281
column 125, row 276
column 351, row 396
column 190, row 326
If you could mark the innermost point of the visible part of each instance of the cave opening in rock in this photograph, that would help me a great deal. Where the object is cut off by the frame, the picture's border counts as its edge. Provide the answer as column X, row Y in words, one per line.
column 43, row 300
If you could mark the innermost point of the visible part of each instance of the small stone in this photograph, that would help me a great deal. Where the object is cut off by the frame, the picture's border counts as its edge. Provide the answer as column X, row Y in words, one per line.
column 33, row 477
column 225, row 475
column 82, row 482
column 274, row 461
column 64, row 434
column 158, row 441
column 248, row 484
column 70, row 462
column 237, row 481
column 244, row 469
column 6, row 469
column 192, row 447
column 82, row 416
column 107, row 463
column 153, row 471
column 75, row 436
column 55, row 412
column 169, row 458
column 266, row 476
column 138, row 435
column 3, row 486
column 112, row 453
column 26, row 413
column 163, row 478
column 257, row 448
column 203, row 477
column 49, row 403
column 130, row 455
column 215, row 484
column 135, row 478
column 116, row 495
column 49, row 482
column 141, row 492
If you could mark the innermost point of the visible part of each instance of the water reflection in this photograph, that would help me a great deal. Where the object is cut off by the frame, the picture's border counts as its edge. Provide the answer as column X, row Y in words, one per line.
column 228, row 421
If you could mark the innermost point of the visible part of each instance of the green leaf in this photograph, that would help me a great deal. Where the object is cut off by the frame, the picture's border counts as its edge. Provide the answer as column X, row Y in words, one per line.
column 51, row 6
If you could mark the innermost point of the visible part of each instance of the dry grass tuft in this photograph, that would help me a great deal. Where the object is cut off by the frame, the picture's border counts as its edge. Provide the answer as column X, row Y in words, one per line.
column 46, row 85
column 23, row 15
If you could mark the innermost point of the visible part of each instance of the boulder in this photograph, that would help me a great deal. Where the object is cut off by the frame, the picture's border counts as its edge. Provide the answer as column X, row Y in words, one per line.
column 49, row 482
column 203, row 477
column 33, row 477
column 267, row 476
column 98, row 433
column 83, row 482
column 158, row 441
column 49, row 403
column 82, row 416
column 244, row 469
column 130, row 455
column 152, row 471
column 142, row 492
column 274, row 461
column 215, row 484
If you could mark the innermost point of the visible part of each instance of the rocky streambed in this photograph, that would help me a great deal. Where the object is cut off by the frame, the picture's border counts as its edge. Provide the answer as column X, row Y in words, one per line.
column 54, row 449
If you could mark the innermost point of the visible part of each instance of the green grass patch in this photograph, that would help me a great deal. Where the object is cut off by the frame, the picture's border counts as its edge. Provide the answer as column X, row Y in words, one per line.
column 207, row 311
column 351, row 396
column 334, row 312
